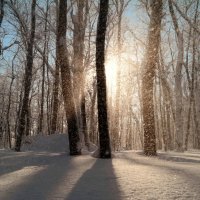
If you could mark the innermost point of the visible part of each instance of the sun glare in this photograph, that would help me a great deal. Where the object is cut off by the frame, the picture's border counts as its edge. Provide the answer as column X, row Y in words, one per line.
column 111, row 73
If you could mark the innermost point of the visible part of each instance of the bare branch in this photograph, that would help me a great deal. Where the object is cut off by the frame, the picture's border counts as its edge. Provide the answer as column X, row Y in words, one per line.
column 186, row 17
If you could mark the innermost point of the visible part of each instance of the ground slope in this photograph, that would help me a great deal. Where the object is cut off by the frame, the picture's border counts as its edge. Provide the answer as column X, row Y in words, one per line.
column 50, row 174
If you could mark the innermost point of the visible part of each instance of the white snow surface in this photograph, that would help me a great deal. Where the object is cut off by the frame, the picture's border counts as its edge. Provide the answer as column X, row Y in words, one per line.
column 45, row 171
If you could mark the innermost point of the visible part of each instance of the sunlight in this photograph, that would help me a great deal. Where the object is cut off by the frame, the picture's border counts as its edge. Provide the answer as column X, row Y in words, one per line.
column 10, row 181
column 111, row 73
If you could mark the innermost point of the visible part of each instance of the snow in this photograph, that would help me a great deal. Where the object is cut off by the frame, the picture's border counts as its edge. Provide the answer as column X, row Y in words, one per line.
column 47, row 143
column 45, row 171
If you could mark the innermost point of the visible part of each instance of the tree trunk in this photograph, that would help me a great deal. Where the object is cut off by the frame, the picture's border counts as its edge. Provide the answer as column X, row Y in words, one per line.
column 27, row 81
column 196, row 106
column 116, row 129
column 191, row 97
column 104, row 140
column 79, row 20
column 178, row 80
column 41, row 116
column 148, row 78
column 1, row 11
column 66, row 80
column 55, row 99
column 92, row 114
column 1, row 18
column 8, row 108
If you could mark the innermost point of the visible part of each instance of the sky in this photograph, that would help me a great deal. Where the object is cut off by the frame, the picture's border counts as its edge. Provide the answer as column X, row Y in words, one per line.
column 132, row 15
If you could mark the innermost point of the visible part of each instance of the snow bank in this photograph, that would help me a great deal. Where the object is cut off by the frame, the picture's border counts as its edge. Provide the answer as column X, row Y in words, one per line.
column 52, row 143
column 46, row 143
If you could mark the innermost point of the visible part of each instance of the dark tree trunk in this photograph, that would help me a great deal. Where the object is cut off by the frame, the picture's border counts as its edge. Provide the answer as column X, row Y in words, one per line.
column 48, row 99
column 1, row 11
column 1, row 18
column 55, row 99
column 28, row 120
column 66, row 80
column 9, row 102
column 92, row 121
column 41, row 116
column 84, row 123
column 27, row 81
column 104, row 140
column 8, row 110
column 148, row 78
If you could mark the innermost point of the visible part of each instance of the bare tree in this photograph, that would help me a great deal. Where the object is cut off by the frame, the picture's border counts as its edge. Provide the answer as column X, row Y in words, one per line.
column 1, row 18
column 120, row 8
column 104, row 140
column 152, row 51
column 178, row 78
column 41, row 115
column 193, row 25
column 1, row 11
column 79, row 20
column 27, row 80
column 55, row 97
column 66, row 80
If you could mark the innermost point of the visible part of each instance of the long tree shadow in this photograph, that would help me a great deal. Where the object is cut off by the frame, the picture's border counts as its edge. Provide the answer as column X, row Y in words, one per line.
column 39, row 185
column 13, row 161
column 99, row 182
column 59, row 177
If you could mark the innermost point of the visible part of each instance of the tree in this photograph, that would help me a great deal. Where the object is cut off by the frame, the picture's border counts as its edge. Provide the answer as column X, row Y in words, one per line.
column 63, row 62
column 152, row 51
column 178, row 81
column 120, row 8
column 1, row 11
column 27, row 80
column 79, row 20
column 191, row 79
column 56, row 84
column 1, row 18
column 104, row 140
column 41, row 115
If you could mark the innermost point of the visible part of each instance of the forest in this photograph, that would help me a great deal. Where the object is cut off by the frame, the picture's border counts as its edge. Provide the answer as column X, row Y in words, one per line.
column 99, row 99
column 123, row 75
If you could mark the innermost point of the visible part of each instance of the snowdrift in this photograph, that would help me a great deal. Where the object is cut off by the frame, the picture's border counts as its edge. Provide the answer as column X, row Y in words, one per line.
column 46, row 143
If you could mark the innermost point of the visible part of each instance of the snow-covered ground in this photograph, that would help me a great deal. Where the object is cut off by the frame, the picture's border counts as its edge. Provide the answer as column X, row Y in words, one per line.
column 44, row 171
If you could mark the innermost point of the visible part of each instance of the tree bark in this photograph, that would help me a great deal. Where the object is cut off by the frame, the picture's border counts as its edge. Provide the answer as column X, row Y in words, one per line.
column 1, row 11
column 27, row 81
column 66, row 80
column 55, row 99
column 149, row 76
column 79, row 20
column 104, row 139
column 41, row 116
column 9, row 102
column 1, row 18
column 178, row 80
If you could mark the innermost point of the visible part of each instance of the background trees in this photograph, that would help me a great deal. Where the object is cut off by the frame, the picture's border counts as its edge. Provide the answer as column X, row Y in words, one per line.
column 173, row 80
